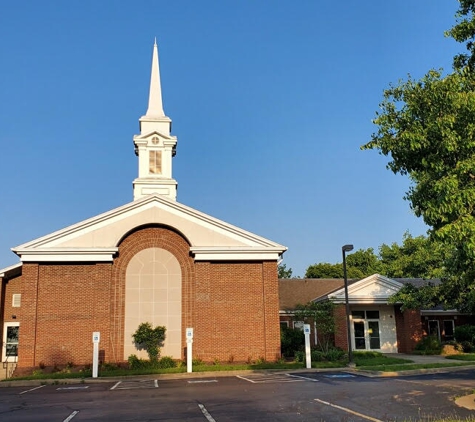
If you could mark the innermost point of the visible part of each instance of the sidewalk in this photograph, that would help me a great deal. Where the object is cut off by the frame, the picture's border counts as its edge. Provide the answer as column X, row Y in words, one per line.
column 420, row 358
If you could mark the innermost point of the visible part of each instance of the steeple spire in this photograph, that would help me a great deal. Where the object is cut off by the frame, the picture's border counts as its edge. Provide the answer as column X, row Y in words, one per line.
column 155, row 107
column 155, row 146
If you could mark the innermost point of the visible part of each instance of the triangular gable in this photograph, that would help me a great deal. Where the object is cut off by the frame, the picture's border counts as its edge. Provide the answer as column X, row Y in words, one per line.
column 97, row 238
column 373, row 289
column 150, row 134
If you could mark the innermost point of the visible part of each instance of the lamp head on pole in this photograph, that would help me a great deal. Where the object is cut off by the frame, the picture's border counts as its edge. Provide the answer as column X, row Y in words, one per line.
column 347, row 248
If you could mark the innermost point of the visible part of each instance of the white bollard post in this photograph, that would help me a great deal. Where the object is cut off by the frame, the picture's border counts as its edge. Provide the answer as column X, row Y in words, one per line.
column 96, row 337
column 189, row 350
column 308, row 357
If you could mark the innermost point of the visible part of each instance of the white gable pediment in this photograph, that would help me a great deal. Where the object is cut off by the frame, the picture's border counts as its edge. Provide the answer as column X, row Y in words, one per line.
column 98, row 238
column 373, row 289
column 150, row 135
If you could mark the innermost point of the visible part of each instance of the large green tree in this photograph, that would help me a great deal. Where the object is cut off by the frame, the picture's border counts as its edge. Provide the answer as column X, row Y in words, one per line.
column 327, row 270
column 427, row 128
column 416, row 257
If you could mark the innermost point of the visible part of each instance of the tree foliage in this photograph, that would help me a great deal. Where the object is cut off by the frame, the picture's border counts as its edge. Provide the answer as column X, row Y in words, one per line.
column 412, row 297
column 427, row 128
column 151, row 339
column 416, row 257
column 322, row 313
column 327, row 270
column 464, row 32
column 283, row 272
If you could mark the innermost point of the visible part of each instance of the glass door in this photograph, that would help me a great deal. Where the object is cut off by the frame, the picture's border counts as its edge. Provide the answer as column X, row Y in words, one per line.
column 373, row 333
column 366, row 332
column 358, row 329
column 10, row 341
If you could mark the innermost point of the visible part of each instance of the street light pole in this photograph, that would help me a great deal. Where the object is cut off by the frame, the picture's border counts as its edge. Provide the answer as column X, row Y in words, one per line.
column 344, row 249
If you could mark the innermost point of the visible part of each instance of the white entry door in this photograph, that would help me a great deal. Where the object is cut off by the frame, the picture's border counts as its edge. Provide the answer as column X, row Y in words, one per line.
column 366, row 330
column 10, row 341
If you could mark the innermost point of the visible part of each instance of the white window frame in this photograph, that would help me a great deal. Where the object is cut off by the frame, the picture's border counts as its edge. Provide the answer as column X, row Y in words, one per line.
column 453, row 326
column 4, row 347
column 438, row 327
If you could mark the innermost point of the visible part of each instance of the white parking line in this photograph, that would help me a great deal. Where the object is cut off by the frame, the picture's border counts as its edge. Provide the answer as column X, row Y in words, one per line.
column 201, row 381
column 260, row 379
column 245, row 379
column 349, row 411
column 304, row 378
column 71, row 416
column 31, row 389
column 115, row 385
column 206, row 413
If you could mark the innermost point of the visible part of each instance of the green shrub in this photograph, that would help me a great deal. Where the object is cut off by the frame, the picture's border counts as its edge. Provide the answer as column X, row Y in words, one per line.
column 467, row 347
column 334, row 355
column 137, row 363
column 367, row 355
column 291, row 341
column 465, row 333
column 167, row 362
column 110, row 366
column 317, row 355
column 429, row 345
column 151, row 339
column 299, row 356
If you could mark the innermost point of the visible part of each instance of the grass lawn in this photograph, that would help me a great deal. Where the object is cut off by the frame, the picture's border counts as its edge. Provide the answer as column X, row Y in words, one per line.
column 363, row 360
column 466, row 357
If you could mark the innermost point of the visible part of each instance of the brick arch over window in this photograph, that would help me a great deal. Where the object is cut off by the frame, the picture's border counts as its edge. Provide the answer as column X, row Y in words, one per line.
column 136, row 241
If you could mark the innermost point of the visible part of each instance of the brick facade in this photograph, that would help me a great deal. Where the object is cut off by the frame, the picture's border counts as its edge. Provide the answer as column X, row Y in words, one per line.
column 341, row 330
column 232, row 306
column 408, row 328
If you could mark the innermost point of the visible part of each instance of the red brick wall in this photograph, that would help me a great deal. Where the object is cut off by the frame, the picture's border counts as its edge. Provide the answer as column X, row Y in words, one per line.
column 27, row 333
column 408, row 328
column 236, row 311
column 233, row 307
column 72, row 302
column 341, row 331
column 7, row 290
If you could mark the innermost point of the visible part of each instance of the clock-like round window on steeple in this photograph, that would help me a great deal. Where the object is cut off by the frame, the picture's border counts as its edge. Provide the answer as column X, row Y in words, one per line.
column 155, row 140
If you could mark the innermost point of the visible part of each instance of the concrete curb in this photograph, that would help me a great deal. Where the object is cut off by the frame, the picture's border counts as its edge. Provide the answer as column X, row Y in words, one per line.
column 221, row 374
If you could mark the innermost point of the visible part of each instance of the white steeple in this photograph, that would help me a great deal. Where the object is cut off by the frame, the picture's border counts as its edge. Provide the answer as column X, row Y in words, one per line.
column 155, row 147
column 155, row 107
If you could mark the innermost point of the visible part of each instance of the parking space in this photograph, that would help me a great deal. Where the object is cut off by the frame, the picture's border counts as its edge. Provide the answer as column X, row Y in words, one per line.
column 135, row 384
column 270, row 378
column 298, row 396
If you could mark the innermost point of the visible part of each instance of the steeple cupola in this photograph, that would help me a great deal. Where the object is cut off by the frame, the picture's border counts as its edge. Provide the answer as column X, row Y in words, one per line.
column 155, row 147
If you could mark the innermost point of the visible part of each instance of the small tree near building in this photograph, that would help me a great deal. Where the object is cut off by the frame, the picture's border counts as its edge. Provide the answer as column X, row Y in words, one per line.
column 151, row 339
column 322, row 313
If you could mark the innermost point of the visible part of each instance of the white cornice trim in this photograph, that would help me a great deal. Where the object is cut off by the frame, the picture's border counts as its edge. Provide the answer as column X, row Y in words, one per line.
column 429, row 312
column 354, row 300
column 235, row 254
column 67, row 255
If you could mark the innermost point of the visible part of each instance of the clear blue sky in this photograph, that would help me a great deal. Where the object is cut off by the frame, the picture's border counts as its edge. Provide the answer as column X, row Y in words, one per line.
column 270, row 101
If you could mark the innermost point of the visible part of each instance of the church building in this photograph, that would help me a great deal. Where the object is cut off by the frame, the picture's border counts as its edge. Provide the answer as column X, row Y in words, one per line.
column 152, row 260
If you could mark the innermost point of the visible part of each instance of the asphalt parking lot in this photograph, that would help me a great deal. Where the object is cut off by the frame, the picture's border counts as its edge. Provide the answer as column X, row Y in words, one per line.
column 302, row 396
